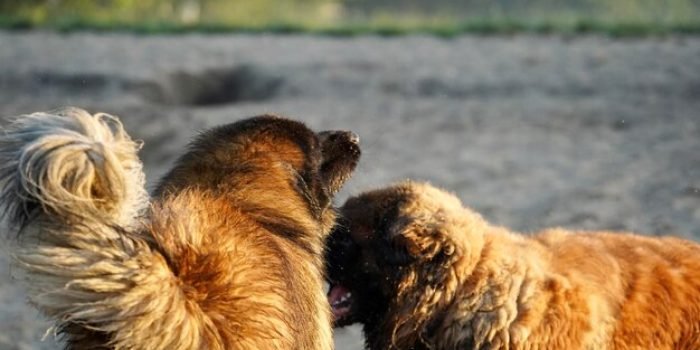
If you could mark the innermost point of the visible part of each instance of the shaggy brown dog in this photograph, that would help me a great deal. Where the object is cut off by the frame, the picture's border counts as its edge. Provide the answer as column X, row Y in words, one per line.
column 227, row 255
column 420, row 271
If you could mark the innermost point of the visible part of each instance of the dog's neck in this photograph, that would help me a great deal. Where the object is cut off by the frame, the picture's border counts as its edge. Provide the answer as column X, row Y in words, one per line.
column 477, row 304
column 260, row 200
column 484, row 308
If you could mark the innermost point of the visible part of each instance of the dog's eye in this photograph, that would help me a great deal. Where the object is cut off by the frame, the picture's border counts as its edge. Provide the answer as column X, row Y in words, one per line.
column 393, row 255
column 399, row 259
column 342, row 248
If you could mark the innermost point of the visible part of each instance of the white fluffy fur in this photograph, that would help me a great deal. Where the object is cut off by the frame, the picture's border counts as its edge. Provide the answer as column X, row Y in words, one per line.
column 72, row 164
column 73, row 184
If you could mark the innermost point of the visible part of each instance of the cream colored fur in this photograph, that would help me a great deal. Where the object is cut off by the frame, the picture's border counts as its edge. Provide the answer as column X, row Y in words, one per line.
column 73, row 183
column 72, row 164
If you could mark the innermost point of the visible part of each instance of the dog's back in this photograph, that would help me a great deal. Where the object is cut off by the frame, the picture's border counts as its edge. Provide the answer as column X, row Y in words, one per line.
column 636, row 290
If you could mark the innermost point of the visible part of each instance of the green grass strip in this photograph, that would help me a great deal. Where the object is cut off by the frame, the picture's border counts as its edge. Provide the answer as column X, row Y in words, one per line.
column 445, row 29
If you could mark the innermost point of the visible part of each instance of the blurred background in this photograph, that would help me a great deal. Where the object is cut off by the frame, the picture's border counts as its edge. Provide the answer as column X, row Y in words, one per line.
column 346, row 17
column 582, row 114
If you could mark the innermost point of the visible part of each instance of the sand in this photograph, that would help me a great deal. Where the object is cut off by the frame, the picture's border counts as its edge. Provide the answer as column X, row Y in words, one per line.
column 579, row 132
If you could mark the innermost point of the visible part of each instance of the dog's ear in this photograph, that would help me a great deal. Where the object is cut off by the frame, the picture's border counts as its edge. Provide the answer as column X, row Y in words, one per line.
column 444, row 246
column 423, row 237
column 431, row 225
column 427, row 282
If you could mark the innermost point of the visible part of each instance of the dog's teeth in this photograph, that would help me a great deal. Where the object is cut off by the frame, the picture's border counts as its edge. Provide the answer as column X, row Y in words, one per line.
column 343, row 299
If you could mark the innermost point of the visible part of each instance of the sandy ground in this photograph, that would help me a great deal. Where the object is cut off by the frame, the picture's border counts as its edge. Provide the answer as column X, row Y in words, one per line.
column 586, row 133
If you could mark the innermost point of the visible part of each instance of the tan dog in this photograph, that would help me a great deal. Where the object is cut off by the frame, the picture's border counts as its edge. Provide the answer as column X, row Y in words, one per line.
column 420, row 271
column 227, row 255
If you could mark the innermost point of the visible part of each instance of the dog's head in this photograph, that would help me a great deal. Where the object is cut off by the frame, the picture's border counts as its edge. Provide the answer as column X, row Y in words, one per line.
column 396, row 256
column 274, row 168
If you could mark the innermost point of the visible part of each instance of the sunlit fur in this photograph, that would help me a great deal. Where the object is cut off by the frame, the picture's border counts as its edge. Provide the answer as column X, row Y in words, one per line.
column 78, row 164
column 473, row 285
column 204, row 266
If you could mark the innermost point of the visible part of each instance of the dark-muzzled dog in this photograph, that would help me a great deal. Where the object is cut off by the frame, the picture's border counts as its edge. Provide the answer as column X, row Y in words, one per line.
column 420, row 271
column 226, row 255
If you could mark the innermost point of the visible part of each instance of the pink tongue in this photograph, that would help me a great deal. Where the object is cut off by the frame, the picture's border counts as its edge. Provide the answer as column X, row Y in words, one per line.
column 334, row 296
column 336, row 292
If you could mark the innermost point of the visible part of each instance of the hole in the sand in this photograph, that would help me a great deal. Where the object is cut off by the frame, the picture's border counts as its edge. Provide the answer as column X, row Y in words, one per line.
column 73, row 82
column 214, row 87
column 49, row 83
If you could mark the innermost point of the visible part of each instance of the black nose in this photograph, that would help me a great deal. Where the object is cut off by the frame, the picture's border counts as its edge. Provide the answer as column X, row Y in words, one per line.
column 338, row 135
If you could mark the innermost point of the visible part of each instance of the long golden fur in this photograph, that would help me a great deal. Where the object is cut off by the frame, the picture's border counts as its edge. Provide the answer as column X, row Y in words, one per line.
column 226, row 255
column 420, row 271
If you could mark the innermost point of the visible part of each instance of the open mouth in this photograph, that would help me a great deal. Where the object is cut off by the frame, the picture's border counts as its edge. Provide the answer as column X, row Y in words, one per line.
column 340, row 299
